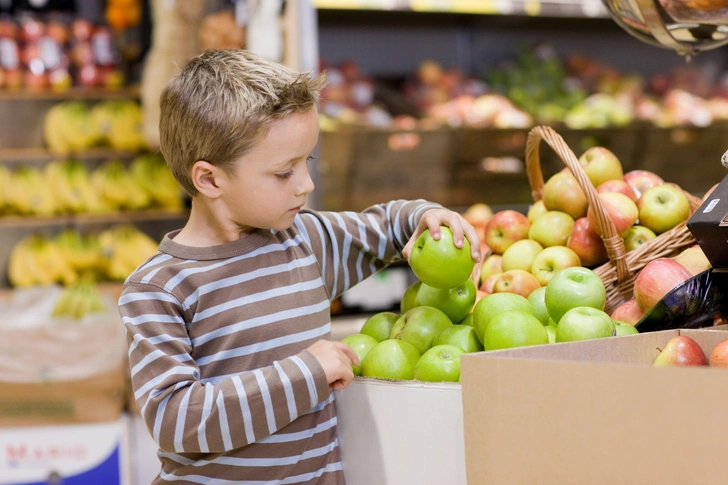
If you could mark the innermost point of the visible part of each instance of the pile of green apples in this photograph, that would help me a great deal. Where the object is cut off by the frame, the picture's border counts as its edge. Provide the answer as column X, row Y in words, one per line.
column 440, row 319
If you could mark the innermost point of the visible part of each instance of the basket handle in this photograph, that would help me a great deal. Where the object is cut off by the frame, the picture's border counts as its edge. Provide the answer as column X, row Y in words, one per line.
column 612, row 241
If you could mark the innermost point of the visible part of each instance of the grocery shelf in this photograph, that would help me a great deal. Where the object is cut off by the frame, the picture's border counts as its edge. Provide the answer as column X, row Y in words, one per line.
column 72, row 93
column 42, row 154
column 150, row 215
column 546, row 8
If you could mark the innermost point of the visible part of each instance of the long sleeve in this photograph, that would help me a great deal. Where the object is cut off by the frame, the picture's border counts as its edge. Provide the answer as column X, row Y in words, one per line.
column 352, row 246
column 186, row 414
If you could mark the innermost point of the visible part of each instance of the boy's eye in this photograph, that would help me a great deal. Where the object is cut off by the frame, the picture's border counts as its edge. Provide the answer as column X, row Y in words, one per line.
column 284, row 175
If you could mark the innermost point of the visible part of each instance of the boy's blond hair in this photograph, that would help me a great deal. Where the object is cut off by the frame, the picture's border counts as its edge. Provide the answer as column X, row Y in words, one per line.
column 219, row 105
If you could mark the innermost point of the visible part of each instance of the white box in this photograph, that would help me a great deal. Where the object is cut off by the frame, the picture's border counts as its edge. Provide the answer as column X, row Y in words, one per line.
column 401, row 433
column 80, row 454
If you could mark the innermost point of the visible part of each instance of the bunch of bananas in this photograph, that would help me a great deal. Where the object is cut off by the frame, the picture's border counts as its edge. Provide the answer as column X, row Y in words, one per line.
column 113, row 254
column 117, row 188
column 68, row 127
column 37, row 261
column 72, row 189
column 151, row 172
column 26, row 193
column 120, row 124
column 78, row 300
column 125, row 249
column 72, row 126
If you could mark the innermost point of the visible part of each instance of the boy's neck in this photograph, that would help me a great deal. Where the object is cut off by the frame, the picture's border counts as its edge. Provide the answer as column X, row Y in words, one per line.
column 208, row 226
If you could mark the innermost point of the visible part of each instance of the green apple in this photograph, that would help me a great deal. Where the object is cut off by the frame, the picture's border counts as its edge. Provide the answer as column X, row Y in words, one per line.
column 636, row 236
column 513, row 328
column 456, row 303
column 361, row 345
column 379, row 325
column 520, row 255
column 461, row 336
column 439, row 364
column 552, row 333
column 494, row 304
column 535, row 211
column 551, row 322
column 601, row 165
column 552, row 260
column 467, row 321
column 537, row 298
column 663, row 207
column 420, row 326
column 584, row 323
column 439, row 263
column 624, row 328
column 552, row 229
column 391, row 359
column 571, row 288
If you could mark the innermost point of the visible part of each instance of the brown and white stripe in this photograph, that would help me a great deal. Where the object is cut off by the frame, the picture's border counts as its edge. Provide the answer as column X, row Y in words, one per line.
column 218, row 338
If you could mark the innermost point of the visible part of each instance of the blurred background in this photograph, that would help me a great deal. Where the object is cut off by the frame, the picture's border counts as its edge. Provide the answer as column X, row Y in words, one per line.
column 425, row 99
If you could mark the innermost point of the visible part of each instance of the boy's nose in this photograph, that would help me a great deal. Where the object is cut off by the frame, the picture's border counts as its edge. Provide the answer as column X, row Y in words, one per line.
column 306, row 186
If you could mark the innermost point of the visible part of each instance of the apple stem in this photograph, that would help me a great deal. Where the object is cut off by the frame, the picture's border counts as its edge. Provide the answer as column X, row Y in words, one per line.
column 659, row 349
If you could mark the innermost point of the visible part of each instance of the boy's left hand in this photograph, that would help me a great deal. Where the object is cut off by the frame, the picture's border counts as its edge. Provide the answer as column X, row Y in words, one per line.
column 433, row 219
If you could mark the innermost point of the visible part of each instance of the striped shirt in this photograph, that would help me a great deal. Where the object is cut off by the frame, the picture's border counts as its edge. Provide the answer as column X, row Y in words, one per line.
column 218, row 338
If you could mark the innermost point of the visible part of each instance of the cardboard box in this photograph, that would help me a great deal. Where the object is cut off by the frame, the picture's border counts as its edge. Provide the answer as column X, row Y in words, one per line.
column 709, row 226
column 62, row 374
column 401, row 433
column 594, row 412
column 72, row 455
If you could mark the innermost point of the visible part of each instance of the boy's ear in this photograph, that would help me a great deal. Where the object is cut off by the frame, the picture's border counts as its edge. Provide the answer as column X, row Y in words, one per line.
column 207, row 178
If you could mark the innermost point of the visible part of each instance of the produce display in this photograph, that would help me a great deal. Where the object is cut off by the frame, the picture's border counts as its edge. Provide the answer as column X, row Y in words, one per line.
column 683, row 351
column 534, row 86
column 78, row 300
column 72, row 256
column 58, row 52
column 68, row 187
column 74, row 126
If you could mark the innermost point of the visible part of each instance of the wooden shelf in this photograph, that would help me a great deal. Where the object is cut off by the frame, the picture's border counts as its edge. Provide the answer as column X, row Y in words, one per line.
column 72, row 93
column 82, row 219
column 42, row 154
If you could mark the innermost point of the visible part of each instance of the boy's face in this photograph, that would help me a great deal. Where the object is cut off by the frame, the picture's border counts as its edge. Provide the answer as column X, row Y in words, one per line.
column 271, row 181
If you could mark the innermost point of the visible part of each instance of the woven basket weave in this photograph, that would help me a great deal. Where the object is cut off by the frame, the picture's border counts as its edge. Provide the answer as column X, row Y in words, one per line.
column 619, row 273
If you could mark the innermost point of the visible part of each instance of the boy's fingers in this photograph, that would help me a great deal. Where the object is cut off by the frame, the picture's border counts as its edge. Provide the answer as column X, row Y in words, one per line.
column 353, row 358
column 472, row 236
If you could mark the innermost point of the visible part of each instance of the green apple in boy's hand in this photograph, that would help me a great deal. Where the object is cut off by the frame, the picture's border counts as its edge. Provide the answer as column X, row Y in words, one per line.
column 439, row 263
column 391, row 359
column 456, row 303
column 461, row 336
column 584, row 323
column 379, row 325
column 571, row 288
column 439, row 364
column 420, row 326
column 361, row 345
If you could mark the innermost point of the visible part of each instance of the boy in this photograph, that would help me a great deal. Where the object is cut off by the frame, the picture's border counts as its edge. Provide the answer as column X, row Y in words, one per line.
column 229, row 322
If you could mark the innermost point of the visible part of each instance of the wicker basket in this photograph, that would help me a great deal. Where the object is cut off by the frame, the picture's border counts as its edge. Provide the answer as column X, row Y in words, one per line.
column 619, row 273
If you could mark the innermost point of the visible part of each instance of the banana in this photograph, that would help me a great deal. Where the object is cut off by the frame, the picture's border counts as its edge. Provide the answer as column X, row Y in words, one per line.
column 30, row 194
column 150, row 172
column 117, row 188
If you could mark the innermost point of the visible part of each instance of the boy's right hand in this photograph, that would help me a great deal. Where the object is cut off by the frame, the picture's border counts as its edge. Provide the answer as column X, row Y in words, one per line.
column 336, row 358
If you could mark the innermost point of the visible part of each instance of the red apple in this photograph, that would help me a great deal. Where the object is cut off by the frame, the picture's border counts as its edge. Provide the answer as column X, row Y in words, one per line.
column 719, row 355
column 621, row 210
column 81, row 30
column 663, row 207
column 628, row 312
column 587, row 244
column 619, row 186
column 82, row 54
column 57, row 31
column 489, row 283
column 492, row 265
column 505, row 228
column 563, row 193
column 641, row 180
column 681, row 351
column 31, row 29
column 35, row 82
column 88, row 76
column 516, row 281
column 656, row 280
column 694, row 260
column 478, row 214
column 601, row 165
